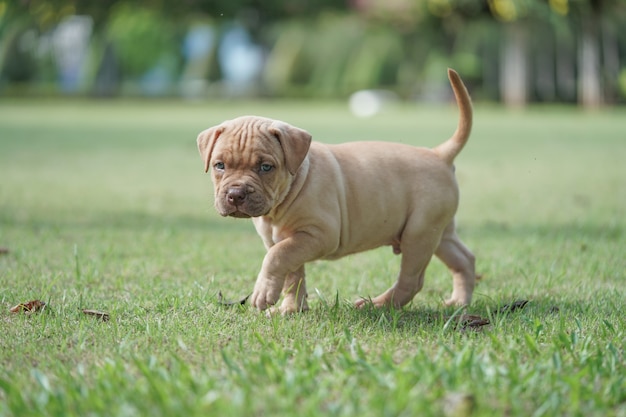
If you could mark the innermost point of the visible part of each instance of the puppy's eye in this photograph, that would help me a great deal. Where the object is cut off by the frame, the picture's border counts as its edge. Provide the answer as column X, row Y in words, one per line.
column 219, row 166
column 266, row 167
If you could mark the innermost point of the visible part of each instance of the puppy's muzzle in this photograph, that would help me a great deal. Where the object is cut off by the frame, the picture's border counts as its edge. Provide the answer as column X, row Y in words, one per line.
column 242, row 201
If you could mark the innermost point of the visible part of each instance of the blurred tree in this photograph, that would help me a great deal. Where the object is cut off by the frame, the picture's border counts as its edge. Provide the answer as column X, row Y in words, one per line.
column 535, row 38
column 139, row 36
column 527, row 49
column 17, row 61
column 597, row 24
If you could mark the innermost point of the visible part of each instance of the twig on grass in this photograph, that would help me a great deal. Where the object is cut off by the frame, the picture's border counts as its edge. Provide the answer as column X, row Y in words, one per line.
column 222, row 302
column 98, row 314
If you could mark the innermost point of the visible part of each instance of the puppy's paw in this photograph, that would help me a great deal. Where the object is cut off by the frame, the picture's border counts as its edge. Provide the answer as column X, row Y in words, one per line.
column 272, row 311
column 456, row 302
column 390, row 298
column 264, row 295
column 291, row 306
column 284, row 310
column 376, row 302
column 459, row 299
column 361, row 302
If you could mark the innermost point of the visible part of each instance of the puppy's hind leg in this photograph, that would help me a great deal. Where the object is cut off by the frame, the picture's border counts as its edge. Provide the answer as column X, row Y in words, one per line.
column 417, row 250
column 461, row 262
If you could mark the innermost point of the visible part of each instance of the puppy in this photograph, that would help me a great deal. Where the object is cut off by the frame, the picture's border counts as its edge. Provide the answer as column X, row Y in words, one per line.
column 311, row 201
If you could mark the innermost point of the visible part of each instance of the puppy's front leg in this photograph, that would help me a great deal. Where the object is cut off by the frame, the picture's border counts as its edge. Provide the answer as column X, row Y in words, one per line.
column 285, row 259
column 294, row 293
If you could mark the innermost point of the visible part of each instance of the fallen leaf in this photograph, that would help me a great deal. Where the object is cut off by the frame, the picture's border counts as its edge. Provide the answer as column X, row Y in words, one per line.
column 221, row 301
column 469, row 320
column 98, row 314
column 509, row 308
column 466, row 322
column 29, row 307
column 4, row 251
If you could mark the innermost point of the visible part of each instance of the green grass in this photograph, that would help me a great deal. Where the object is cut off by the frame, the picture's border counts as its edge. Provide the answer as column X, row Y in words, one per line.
column 104, row 205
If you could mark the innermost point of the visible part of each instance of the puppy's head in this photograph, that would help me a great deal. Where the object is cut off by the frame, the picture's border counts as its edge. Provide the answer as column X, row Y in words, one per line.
column 253, row 161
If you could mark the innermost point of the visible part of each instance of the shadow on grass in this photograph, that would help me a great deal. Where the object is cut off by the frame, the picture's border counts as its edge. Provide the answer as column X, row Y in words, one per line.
column 498, row 314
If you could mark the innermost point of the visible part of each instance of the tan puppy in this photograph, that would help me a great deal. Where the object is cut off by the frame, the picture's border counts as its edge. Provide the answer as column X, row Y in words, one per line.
column 313, row 201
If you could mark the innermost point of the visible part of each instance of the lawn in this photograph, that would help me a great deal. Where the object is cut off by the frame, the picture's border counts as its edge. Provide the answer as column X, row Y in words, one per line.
column 105, row 206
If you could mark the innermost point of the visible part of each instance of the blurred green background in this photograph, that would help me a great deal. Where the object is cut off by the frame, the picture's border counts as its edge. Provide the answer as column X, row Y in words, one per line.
column 510, row 51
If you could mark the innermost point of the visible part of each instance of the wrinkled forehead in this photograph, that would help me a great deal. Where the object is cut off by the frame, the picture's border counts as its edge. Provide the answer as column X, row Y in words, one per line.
column 246, row 136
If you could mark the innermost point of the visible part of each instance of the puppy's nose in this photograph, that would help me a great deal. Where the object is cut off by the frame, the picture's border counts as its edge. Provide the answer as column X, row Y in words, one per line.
column 236, row 195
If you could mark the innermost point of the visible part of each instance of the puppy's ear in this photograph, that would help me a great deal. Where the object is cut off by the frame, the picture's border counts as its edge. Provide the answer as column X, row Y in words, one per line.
column 206, row 142
column 295, row 143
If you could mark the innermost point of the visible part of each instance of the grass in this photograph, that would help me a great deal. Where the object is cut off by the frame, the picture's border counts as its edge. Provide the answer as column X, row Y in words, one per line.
column 104, row 205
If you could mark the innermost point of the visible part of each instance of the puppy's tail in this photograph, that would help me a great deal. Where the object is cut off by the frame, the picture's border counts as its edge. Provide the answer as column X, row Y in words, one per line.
column 451, row 148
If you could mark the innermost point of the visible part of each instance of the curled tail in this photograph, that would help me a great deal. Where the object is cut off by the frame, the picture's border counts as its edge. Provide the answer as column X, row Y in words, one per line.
column 451, row 148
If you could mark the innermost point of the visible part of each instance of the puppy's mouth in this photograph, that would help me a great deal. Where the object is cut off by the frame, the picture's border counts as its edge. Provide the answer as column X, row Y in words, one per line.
column 239, row 215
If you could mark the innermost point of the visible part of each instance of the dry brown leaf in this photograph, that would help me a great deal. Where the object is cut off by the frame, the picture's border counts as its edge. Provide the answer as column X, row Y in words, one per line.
column 516, row 305
column 29, row 307
column 469, row 320
column 98, row 314
column 465, row 322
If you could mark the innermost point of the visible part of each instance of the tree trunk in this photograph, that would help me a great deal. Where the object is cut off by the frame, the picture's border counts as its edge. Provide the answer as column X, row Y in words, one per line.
column 544, row 64
column 566, row 66
column 514, row 66
column 589, row 84
column 610, row 63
